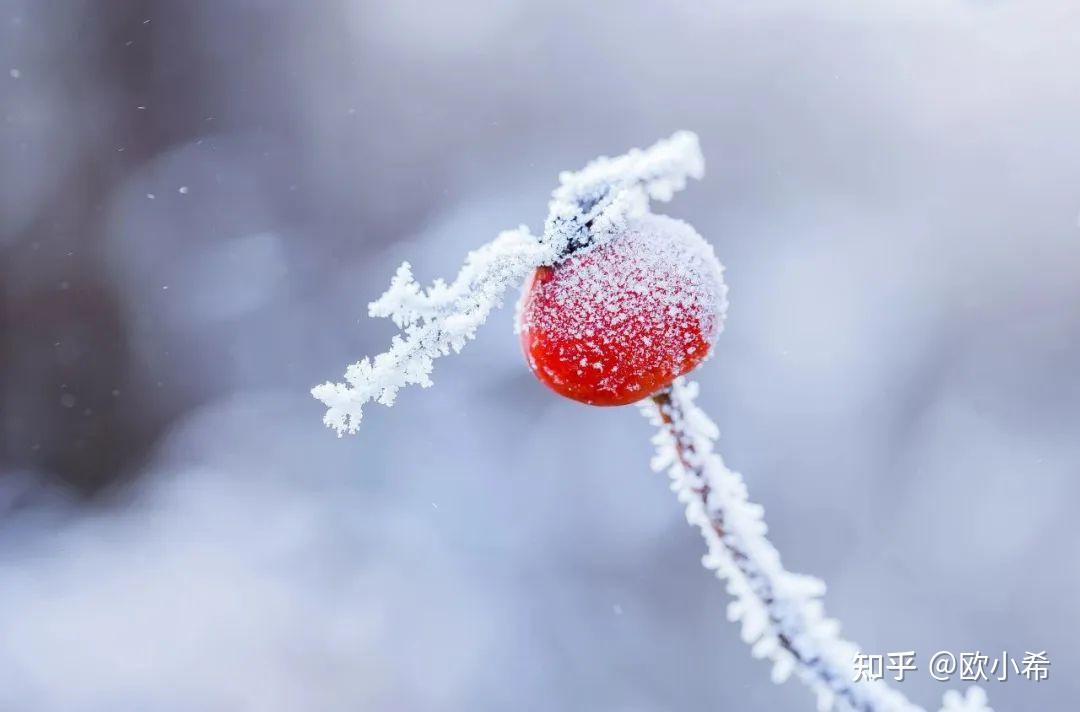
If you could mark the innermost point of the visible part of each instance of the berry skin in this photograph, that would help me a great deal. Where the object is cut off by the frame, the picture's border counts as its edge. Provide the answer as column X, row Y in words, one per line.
column 619, row 321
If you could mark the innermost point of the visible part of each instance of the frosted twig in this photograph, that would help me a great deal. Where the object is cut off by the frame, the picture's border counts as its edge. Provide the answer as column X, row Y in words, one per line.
column 586, row 206
column 974, row 700
column 434, row 322
column 782, row 616
column 597, row 199
column 781, row 613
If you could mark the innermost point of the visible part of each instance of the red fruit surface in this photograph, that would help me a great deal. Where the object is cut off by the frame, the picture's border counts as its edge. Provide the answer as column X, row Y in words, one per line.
column 616, row 323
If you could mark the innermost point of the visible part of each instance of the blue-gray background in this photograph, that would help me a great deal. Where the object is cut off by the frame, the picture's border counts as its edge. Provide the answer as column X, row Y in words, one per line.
column 894, row 188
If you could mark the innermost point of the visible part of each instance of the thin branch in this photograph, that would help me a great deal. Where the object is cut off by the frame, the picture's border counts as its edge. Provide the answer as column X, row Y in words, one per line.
column 588, row 206
column 781, row 613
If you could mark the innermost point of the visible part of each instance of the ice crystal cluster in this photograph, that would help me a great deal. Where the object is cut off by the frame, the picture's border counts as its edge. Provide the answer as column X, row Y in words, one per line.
column 973, row 701
column 780, row 613
column 434, row 322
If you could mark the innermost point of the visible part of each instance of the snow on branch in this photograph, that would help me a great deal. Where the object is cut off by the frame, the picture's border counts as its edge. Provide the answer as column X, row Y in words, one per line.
column 436, row 321
column 599, row 198
column 973, row 701
column 781, row 613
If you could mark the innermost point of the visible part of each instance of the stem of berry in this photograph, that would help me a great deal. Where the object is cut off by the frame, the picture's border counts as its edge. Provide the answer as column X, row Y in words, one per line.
column 781, row 614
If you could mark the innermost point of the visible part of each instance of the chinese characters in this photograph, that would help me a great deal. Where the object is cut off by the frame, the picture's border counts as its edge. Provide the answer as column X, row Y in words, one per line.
column 970, row 667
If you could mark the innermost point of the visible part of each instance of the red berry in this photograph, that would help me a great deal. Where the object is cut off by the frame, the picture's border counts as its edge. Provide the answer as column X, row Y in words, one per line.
column 617, row 322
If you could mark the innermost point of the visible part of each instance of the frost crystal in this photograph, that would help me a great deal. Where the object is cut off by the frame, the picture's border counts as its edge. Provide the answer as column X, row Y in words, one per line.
column 973, row 701
column 596, row 201
column 781, row 613
column 585, row 208
column 637, row 310
column 434, row 322
column 782, row 616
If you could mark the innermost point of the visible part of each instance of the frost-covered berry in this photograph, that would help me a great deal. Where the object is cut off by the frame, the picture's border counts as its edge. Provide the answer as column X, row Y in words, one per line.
column 617, row 322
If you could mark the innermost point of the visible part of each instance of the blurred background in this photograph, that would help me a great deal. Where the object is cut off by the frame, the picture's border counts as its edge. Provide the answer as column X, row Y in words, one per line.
column 198, row 199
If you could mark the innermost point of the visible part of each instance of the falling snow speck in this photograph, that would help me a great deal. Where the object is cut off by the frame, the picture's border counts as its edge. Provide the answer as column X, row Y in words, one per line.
column 183, row 190
column 15, row 73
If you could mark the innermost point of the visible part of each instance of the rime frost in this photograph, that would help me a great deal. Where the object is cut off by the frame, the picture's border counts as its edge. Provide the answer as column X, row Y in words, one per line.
column 596, row 201
column 586, row 207
column 638, row 310
column 973, row 701
column 781, row 613
column 655, row 255
column 434, row 322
